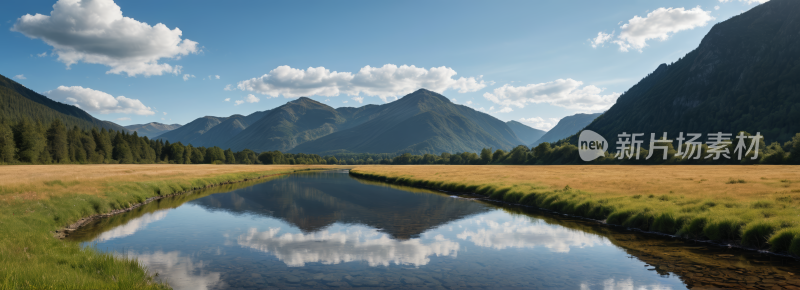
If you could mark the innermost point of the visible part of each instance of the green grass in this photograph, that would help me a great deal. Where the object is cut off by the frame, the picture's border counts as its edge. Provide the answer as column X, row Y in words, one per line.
column 762, row 224
column 31, row 258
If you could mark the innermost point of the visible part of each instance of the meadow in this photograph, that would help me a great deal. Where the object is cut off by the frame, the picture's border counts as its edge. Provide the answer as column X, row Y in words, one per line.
column 756, row 206
column 37, row 200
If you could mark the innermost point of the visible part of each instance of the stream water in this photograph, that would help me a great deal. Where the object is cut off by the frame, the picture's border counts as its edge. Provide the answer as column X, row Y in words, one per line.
column 330, row 230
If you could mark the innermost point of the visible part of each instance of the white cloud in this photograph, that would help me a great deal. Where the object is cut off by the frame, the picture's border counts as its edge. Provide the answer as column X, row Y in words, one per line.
column 747, row 1
column 360, row 100
column 468, row 103
column 388, row 81
column 660, row 24
column 165, row 113
column 99, row 102
column 716, row 7
column 601, row 39
column 94, row 31
column 186, row 77
column 20, row 77
column 505, row 110
column 123, row 119
column 249, row 99
column 540, row 123
column 227, row 99
column 563, row 93
column 228, row 88
column 454, row 100
column 43, row 54
column 216, row 76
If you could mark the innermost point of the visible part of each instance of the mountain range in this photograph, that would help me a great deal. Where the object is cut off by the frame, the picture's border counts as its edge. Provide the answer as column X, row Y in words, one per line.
column 152, row 129
column 743, row 76
column 420, row 122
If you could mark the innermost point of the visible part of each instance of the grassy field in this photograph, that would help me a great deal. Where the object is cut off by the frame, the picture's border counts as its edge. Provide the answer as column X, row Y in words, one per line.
column 36, row 200
column 755, row 206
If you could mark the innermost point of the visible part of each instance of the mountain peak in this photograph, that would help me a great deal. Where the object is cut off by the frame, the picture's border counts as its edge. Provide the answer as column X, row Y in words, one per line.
column 424, row 94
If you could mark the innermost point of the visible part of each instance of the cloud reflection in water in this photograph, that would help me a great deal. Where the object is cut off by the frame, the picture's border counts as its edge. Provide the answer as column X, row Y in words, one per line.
column 132, row 226
column 525, row 233
column 368, row 245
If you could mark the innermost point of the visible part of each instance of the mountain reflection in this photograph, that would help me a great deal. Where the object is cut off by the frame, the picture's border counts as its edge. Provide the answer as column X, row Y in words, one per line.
column 313, row 202
column 353, row 245
column 521, row 232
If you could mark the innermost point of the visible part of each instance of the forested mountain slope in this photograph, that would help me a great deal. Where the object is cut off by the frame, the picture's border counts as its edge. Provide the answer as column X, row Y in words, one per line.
column 744, row 76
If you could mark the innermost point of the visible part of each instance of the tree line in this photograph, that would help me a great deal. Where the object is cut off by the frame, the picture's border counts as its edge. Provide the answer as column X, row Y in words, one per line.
column 29, row 142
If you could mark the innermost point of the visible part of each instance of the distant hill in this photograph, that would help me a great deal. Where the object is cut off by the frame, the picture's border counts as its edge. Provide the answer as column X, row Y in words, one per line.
column 566, row 127
column 152, row 129
column 17, row 101
column 189, row 133
column 524, row 132
column 743, row 76
column 421, row 122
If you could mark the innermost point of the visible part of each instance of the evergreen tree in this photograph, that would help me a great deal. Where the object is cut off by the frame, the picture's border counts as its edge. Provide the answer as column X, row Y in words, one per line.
column 121, row 152
column 29, row 141
column 7, row 146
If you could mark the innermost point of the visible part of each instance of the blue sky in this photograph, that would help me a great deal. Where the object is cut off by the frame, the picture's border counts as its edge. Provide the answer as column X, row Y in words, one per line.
column 519, row 60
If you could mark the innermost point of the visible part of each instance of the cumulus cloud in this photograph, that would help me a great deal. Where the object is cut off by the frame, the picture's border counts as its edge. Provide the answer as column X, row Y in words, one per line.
column 94, row 31
column 601, row 39
column 249, row 99
column 360, row 100
column 43, row 54
column 660, row 24
column 99, row 102
column 216, row 76
column 567, row 93
column 229, row 88
column 186, row 77
column 540, row 123
column 165, row 113
column 388, row 81
column 227, row 99
column 20, row 77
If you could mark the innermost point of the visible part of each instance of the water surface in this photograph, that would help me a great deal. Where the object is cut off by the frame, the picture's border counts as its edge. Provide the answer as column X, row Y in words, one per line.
column 329, row 230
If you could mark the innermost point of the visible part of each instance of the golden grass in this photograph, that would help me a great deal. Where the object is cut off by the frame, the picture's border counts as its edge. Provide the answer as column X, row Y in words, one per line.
column 755, row 206
column 32, row 182
column 761, row 181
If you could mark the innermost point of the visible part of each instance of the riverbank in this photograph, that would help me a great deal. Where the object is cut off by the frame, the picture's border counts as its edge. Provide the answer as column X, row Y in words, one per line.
column 752, row 206
column 38, row 200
